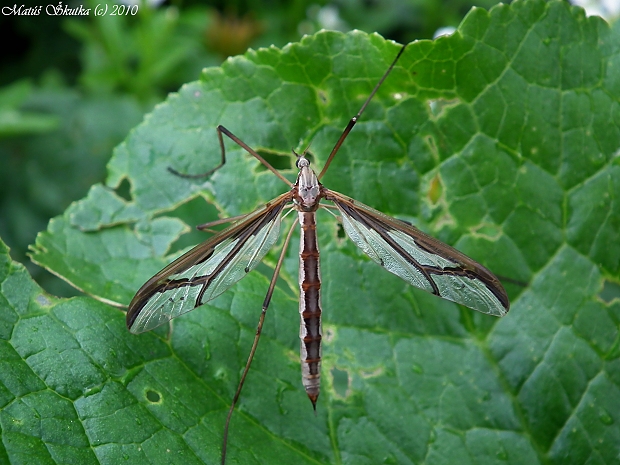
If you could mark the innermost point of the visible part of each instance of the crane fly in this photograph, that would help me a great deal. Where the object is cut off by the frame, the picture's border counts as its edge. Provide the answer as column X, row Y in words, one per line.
column 212, row 267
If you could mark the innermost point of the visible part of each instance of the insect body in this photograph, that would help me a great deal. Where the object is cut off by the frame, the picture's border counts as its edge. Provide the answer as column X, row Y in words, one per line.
column 212, row 267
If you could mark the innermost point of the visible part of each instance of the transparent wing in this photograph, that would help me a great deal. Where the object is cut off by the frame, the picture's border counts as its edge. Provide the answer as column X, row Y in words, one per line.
column 207, row 270
column 420, row 259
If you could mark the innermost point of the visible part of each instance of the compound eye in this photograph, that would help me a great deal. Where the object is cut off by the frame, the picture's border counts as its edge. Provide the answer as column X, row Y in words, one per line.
column 302, row 162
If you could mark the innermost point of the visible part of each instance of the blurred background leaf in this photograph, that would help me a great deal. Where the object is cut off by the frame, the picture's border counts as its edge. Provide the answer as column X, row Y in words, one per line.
column 13, row 120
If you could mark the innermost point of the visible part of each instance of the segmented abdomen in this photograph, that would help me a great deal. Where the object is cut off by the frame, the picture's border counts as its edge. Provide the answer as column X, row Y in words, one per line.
column 310, row 306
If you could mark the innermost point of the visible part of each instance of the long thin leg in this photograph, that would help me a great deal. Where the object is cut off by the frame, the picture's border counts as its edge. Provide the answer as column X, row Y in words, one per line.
column 210, row 172
column 207, row 226
column 222, row 130
column 347, row 130
column 259, row 329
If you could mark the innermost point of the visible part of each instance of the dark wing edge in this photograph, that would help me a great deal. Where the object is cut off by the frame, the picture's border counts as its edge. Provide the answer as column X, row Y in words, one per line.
column 208, row 269
column 420, row 259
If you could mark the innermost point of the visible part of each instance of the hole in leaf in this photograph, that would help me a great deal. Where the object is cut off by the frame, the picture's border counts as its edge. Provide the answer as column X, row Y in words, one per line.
column 340, row 381
column 153, row 396
column 124, row 190
column 610, row 291
column 278, row 160
column 340, row 233
column 194, row 212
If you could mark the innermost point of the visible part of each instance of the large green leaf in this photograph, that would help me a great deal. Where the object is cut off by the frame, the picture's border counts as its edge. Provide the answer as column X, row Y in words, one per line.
column 500, row 139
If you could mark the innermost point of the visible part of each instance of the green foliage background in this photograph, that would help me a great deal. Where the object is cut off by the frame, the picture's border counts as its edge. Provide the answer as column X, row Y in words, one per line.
column 501, row 139
column 75, row 85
